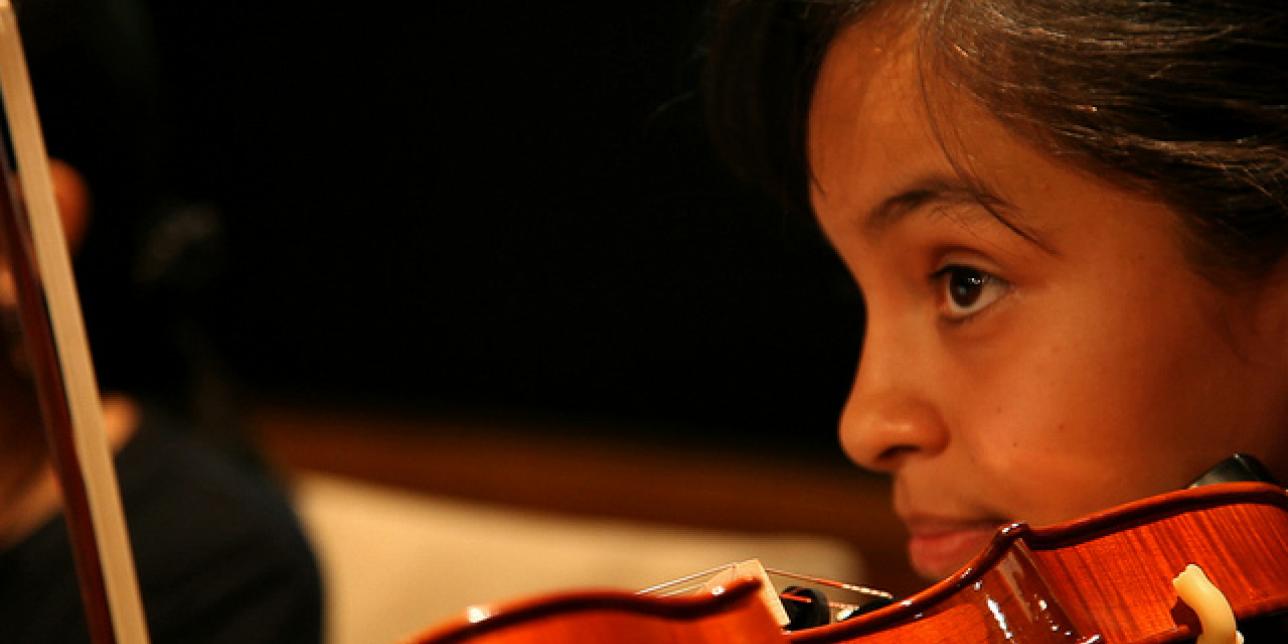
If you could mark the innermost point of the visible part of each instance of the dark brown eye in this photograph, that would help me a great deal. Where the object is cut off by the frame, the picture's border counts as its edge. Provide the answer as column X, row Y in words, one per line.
column 967, row 291
column 965, row 286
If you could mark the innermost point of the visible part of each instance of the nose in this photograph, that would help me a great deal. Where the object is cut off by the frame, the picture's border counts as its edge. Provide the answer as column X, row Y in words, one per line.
column 891, row 416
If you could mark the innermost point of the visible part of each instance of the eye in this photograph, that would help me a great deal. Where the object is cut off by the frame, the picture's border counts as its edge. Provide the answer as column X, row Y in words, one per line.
column 967, row 291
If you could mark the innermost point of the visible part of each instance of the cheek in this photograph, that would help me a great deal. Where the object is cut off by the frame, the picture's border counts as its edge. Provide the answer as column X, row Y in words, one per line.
column 1079, row 411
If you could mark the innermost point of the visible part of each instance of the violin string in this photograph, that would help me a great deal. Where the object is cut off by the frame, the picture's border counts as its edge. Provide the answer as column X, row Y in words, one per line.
column 675, row 587
column 862, row 590
column 680, row 580
column 800, row 599
column 682, row 590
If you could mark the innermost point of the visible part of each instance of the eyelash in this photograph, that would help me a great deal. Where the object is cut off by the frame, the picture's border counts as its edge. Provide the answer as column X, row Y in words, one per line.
column 990, row 286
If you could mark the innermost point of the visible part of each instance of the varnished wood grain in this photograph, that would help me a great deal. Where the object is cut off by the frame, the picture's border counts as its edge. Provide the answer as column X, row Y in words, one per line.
column 1128, row 595
column 1107, row 576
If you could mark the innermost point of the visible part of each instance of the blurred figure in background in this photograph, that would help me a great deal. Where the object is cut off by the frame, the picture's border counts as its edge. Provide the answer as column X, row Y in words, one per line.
column 219, row 553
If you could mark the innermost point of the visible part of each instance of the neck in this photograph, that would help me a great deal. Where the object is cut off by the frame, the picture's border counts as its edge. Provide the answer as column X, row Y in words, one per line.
column 29, row 494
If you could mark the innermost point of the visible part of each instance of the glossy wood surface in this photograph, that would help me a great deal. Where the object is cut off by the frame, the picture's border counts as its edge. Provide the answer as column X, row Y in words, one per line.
column 733, row 616
column 1104, row 578
column 1107, row 575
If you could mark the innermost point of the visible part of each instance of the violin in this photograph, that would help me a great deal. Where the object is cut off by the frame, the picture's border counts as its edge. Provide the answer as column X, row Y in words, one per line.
column 1108, row 577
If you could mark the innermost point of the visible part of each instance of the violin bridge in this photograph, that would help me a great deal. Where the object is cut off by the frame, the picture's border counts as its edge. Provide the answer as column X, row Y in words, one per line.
column 713, row 581
column 749, row 569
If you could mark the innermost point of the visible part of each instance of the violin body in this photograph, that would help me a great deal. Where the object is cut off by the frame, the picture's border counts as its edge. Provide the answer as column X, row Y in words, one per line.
column 736, row 615
column 1107, row 575
column 1103, row 578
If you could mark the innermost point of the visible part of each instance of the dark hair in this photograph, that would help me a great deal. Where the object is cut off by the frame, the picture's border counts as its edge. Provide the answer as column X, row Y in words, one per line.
column 1184, row 99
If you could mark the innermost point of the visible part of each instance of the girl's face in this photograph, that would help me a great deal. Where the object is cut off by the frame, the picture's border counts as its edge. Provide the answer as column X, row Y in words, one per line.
column 1037, row 364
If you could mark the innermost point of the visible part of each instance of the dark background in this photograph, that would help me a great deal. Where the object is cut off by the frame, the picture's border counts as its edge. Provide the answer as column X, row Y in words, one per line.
column 465, row 208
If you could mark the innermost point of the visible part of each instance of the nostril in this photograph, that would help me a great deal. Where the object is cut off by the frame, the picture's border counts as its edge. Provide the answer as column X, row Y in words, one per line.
column 892, row 455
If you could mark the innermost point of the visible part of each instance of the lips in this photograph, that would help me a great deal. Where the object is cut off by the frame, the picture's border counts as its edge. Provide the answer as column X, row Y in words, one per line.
column 940, row 546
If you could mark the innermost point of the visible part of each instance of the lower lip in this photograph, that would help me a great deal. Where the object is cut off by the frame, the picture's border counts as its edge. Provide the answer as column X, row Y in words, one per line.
column 941, row 553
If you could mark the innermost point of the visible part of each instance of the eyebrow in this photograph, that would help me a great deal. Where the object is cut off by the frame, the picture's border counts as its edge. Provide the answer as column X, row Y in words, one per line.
column 940, row 189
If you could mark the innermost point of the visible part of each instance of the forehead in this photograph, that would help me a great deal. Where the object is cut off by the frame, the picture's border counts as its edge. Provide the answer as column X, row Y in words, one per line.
column 880, row 120
column 868, row 114
column 881, row 115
